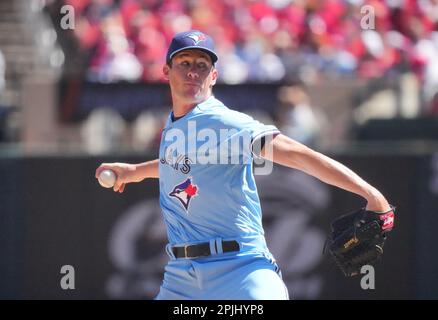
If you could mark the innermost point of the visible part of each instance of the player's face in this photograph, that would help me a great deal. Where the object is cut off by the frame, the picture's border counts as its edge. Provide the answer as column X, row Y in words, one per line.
column 191, row 76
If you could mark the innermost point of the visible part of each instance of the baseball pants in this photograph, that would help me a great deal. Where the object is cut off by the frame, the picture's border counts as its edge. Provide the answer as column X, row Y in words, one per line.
column 249, row 274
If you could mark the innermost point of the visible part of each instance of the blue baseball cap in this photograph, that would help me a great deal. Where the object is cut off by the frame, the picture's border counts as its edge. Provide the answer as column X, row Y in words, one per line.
column 192, row 39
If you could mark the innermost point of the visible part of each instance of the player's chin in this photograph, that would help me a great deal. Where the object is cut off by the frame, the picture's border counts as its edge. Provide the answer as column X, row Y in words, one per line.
column 192, row 93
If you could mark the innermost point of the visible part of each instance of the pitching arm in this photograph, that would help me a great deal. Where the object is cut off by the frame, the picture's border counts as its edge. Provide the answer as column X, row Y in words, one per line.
column 148, row 169
column 128, row 173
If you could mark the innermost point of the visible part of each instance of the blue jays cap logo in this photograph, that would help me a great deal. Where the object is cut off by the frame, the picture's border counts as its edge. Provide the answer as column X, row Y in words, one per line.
column 184, row 192
column 197, row 37
column 193, row 39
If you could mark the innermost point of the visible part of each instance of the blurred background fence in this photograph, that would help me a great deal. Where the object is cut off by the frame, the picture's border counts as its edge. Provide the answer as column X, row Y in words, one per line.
column 54, row 213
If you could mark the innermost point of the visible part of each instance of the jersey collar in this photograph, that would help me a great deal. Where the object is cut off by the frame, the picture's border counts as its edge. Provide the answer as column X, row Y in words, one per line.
column 202, row 106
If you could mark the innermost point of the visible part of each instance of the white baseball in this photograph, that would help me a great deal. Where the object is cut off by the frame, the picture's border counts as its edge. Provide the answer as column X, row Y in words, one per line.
column 107, row 178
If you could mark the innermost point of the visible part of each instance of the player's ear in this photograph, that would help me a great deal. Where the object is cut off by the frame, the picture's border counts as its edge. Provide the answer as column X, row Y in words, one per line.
column 166, row 69
column 214, row 75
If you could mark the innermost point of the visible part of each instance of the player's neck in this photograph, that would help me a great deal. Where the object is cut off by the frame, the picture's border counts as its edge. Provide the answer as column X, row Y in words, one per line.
column 181, row 108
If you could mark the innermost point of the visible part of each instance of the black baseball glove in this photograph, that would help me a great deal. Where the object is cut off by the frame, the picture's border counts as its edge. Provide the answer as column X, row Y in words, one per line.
column 357, row 238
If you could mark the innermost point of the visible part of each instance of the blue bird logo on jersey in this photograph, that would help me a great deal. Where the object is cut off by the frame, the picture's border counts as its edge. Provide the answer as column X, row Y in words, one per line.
column 184, row 192
column 197, row 37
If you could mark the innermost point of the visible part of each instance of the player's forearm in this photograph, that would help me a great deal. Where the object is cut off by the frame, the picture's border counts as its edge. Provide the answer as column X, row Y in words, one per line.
column 334, row 173
column 148, row 169
column 295, row 155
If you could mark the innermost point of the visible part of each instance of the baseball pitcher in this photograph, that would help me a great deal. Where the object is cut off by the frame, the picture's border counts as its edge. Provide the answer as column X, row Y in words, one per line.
column 208, row 196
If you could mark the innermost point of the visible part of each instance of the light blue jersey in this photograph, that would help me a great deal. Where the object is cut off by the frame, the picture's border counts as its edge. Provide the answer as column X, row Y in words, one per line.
column 217, row 199
column 208, row 195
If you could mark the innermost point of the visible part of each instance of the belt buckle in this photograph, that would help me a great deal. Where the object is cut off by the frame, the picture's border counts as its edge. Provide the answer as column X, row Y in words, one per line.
column 186, row 254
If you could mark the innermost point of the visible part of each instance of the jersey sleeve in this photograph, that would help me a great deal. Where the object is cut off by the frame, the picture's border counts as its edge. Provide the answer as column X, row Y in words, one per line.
column 247, row 133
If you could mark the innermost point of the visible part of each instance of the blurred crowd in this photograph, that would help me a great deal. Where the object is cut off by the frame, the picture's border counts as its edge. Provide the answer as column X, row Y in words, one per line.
column 260, row 40
column 264, row 41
